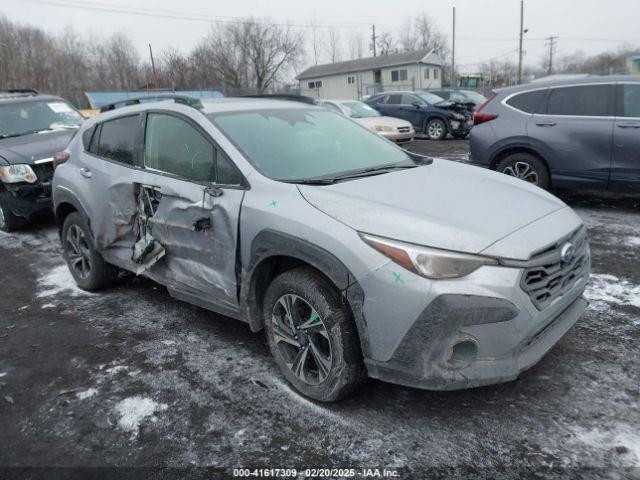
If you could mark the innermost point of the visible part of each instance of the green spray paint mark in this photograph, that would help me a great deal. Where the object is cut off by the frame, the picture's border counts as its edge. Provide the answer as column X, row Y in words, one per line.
column 314, row 316
column 273, row 203
column 185, row 149
column 398, row 278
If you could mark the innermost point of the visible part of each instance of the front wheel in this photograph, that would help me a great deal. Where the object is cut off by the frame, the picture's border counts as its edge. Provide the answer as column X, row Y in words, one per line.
column 312, row 335
column 436, row 129
column 525, row 167
column 86, row 265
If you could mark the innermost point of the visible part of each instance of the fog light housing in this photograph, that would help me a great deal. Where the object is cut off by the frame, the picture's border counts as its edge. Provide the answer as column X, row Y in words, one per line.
column 462, row 353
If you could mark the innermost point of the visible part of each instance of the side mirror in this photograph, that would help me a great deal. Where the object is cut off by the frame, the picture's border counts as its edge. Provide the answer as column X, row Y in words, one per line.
column 415, row 104
column 213, row 191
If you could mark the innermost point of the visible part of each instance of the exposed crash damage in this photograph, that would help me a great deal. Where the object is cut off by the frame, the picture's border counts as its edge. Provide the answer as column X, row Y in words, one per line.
column 146, row 251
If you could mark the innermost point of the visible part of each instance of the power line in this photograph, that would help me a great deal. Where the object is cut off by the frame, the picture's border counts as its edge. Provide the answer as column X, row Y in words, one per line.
column 196, row 17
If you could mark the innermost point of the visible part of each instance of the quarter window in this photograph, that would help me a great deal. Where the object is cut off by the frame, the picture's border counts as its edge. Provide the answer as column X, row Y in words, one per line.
column 118, row 139
column 174, row 146
column 528, row 102
column 629, row 100
column 584, row 100
column 398, row 75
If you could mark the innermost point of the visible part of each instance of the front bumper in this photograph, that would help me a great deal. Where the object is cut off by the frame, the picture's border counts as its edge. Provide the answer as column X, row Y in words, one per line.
column 453, row 334
column 398, row 137
column 25, row 200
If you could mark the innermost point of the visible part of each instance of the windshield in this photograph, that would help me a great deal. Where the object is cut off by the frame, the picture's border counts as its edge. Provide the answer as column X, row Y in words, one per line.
column 429, row 97
column 303, row 143
column 30, row 117
column 474, row 96
column 360, row 110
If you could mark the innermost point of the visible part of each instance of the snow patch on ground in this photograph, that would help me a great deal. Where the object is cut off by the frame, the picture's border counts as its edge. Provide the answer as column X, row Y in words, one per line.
column 3, row 374
column 134, row 410
column 607, row 440
column 91, row 392
column 632, row 241
column 56, row 281
column 116, row 369
column 605, row 290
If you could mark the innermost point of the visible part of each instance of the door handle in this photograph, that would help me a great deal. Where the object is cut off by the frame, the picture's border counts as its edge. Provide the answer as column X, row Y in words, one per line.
column 629, row 125
column 546, row 124
column 85, row 172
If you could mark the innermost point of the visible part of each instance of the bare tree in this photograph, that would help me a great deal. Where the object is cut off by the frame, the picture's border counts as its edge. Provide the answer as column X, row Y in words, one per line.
column 334, row 46
column 356, row 45
column 386, row 43
column 316, row 40
column 175, row 69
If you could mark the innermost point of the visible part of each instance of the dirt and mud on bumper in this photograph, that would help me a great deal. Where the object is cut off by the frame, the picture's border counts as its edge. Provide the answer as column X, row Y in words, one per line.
column 438, row 353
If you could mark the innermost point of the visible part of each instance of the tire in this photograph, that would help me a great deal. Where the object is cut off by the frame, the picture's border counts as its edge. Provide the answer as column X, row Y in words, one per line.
column 526, row 167
column 435, row 129
column 86, row 265
column 330, row 339
column 8, row 221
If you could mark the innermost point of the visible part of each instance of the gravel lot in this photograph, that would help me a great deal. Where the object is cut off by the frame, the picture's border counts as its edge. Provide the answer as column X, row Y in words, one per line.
column 131, row 377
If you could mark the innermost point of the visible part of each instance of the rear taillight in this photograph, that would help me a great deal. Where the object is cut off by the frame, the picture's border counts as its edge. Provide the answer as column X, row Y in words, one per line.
column 60, row 158
column 479, row 117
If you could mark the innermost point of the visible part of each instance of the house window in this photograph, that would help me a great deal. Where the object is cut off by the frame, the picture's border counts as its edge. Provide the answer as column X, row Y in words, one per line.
column 426, row 73
column 435, row 74
column 351, row 80
column 316, row 84
column 398, row 75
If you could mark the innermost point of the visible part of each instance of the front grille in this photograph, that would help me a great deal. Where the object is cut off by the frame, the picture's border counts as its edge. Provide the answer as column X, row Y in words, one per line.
column 44, row 171
column 404, row 129
column 550, row 277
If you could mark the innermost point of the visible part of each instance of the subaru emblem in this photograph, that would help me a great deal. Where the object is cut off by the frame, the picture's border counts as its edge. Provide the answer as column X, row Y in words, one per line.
column 567, row 252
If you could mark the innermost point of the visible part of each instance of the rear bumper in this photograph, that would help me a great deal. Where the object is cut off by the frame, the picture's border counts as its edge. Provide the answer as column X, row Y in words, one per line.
column 26, row 200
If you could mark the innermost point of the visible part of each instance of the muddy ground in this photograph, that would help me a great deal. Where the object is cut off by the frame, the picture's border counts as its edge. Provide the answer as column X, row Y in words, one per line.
column 131, row 377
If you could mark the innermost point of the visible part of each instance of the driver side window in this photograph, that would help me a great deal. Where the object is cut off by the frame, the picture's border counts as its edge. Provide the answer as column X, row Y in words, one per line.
column 410, row 100
column 174, row 146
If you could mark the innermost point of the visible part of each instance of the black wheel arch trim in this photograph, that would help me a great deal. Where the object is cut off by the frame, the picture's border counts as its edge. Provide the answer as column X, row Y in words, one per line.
column 63, row 196
column 271, row 243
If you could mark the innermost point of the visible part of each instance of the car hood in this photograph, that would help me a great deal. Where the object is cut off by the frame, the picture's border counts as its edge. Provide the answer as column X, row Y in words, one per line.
column 443, row 205
column 29, row 148
column 370, row 122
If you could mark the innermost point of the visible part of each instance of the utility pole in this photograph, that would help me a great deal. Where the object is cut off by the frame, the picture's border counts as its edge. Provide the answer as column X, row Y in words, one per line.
column 153, row 67
column 373, row 39
column 552, row 44
column 453, row 51
column 521, row 35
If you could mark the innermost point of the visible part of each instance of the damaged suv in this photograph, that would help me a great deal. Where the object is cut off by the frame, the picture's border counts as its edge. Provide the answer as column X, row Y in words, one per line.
column 356, row 257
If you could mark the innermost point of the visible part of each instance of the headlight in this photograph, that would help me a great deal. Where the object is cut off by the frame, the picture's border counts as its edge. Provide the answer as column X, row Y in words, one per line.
column 429, row 262
column 17, row 173
column 382, row 128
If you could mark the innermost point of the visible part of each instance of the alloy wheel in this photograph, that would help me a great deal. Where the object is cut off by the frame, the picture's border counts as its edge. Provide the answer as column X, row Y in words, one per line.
column 434, row 130
column 523, row 171
column 302, row 339
column 78, row 251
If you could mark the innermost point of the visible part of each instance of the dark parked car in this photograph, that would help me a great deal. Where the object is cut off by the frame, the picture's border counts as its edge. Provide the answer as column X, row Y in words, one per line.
column 575, row 133
column 427, row 112
column 33, row 128
column 460, row 95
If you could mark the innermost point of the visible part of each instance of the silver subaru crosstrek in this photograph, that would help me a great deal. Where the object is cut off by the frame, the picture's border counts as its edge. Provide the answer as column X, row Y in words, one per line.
column 356, row 257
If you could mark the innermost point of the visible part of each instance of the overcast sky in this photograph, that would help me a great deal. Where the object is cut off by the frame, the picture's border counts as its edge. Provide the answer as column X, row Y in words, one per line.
column 485, row 28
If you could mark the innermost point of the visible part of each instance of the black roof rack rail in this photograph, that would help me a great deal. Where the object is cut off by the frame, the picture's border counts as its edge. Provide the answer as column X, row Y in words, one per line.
column 284, row 96
column 29, row 91
column 126, row 102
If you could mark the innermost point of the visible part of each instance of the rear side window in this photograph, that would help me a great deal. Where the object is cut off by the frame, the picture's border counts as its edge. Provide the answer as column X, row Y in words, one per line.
column 86, row 137
column 629, row 100
column 528, row 102
column 118, row 139
column 583, row 100
column 393, row 100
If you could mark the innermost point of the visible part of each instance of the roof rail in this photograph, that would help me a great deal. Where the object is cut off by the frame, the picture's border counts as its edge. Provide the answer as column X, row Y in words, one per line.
column 29, row 91
column 284, row 96
column 126, row 102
